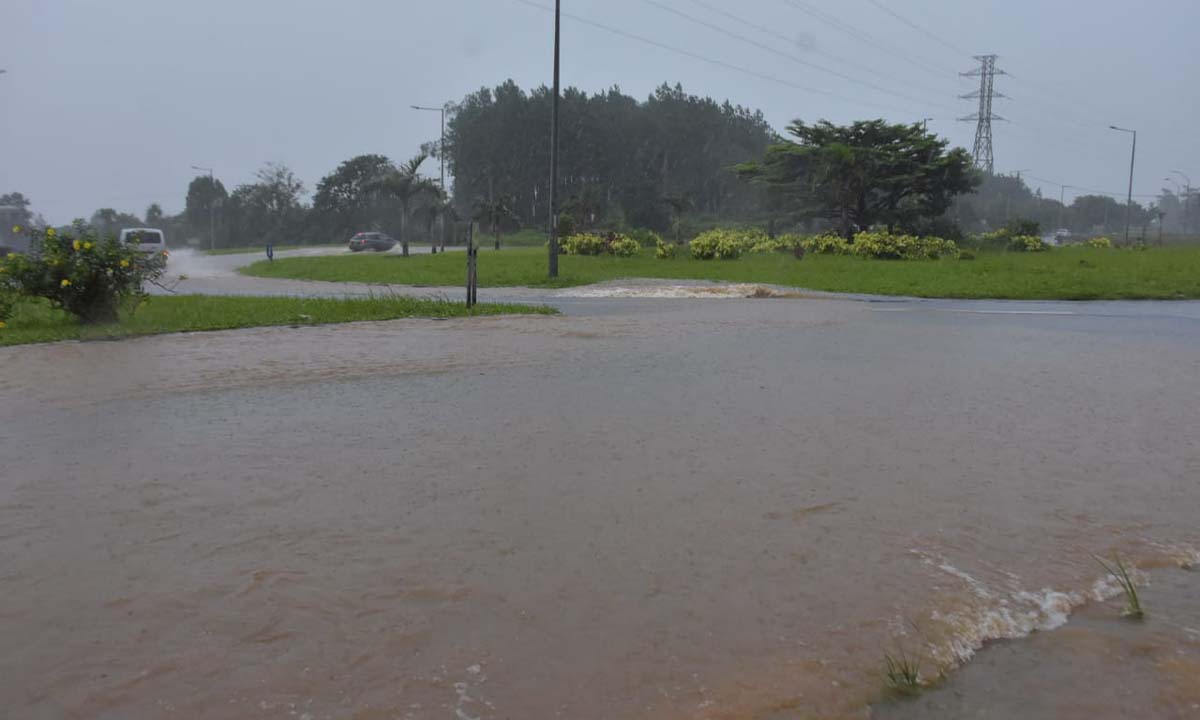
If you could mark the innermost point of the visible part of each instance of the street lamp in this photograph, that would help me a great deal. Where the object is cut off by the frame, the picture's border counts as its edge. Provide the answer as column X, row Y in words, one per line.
column 1187, row 199
column 1129, row 199
column 442, row 158
column 212, row 207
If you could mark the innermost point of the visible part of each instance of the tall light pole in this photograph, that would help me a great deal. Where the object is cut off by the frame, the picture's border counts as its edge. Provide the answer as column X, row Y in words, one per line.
column 212, row 207
column 1132, row 157
column 1187, row 199
column 1062, row 204
column 442, row 158
column 554, row 147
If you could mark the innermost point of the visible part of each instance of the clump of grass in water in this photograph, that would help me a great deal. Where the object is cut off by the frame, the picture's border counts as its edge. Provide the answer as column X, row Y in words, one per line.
column 1133, row 604
column 903, row 673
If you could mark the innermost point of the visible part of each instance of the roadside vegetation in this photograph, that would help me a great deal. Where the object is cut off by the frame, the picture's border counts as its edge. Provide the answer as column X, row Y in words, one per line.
column 35, row 321
column 1118, row 570
column 1075, row 273
column 902, row 673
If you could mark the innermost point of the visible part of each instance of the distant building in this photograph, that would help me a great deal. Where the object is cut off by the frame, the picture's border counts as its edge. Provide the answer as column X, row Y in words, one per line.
column 10, row 216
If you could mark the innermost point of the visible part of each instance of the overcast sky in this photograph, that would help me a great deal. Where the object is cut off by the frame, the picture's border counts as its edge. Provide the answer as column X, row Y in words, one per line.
column 107, row 103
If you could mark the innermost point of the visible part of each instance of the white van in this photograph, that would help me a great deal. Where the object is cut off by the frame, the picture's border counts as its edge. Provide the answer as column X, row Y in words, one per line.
column 147, row 240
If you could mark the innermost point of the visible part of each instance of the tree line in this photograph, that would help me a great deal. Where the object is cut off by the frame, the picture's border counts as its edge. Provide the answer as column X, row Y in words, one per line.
column 621, row 162
column 673, row 162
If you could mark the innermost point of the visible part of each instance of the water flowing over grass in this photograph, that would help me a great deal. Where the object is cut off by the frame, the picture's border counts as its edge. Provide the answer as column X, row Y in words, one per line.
column 1060, row 274
column 1133, row 603
column 903, row 673
column 34, row 322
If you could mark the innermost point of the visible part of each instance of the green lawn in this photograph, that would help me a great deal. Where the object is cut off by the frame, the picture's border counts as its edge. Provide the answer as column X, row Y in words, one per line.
column 1063, row 274
column 35, row 322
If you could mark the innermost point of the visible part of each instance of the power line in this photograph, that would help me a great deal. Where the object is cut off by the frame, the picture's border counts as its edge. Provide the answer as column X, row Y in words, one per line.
column 1086, row 189
column 918, row 28
column 768, row 48
column 864, row 37
column 836, row 58
column 710, row 61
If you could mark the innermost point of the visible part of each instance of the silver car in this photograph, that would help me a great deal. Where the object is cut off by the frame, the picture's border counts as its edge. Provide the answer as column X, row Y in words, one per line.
column 376, row 241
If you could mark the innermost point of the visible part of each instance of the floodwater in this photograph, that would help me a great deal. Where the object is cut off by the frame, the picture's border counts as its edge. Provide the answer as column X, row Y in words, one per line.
column 696, row 510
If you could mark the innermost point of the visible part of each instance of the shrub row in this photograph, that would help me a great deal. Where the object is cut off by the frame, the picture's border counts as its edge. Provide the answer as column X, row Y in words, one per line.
column 610, row 244
column 885, row 246
column 727, row 244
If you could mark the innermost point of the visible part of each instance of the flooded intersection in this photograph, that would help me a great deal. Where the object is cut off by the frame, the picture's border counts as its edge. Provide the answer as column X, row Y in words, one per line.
column 718, row 509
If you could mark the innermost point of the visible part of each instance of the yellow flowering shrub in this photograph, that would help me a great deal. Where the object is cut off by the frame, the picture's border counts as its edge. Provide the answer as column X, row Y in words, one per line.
column 589, row 244
column 726, row 244
column 87, row 276
column 826, row 245
column 1099, row 242
column 1027, row 243
column 664, row 250
column 885, row 246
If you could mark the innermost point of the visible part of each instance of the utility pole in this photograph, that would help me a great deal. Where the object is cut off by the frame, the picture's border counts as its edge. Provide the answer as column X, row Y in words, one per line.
column 925, row 124
column 986, row 72
column 554, row 147
column 1132, row 157
column 442, row 181
column 212, row 207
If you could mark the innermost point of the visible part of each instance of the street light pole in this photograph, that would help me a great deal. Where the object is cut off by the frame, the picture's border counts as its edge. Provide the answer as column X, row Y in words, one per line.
column 442, row 161
column 212, row 207
column 1129, row 199
column 1187, row 200
column 554, row 147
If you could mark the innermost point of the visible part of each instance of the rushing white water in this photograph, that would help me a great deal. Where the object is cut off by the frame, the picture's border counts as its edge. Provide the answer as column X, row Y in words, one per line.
column 192, row 264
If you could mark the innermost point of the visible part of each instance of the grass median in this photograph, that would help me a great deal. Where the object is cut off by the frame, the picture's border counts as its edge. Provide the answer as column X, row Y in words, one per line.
column 1059, row 274
column 37, row 322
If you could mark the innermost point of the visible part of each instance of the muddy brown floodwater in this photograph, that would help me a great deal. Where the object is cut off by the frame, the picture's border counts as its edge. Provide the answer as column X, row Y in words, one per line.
column 704, row 509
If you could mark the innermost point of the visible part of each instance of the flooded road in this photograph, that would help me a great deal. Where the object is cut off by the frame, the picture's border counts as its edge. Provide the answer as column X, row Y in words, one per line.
column 648, row 509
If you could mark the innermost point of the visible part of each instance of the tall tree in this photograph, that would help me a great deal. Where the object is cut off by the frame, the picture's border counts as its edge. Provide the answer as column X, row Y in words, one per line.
column 269, row 210
column 405, row 185
column 348, row 199
column 863, row 174
column 495, row 212
column 154, row 215
column 205, row 198
column 618, row 156
column 108, row 221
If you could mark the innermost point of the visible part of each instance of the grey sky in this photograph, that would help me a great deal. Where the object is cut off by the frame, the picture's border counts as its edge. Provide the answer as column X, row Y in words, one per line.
column 107, row 104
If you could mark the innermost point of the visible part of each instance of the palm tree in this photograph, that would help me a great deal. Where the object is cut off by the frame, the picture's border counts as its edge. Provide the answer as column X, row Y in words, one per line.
column 405, row 185
column 494, row 212
column 678, row 205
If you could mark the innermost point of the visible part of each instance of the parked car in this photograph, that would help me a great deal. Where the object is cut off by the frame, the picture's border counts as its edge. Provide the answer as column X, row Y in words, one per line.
column 376, row 241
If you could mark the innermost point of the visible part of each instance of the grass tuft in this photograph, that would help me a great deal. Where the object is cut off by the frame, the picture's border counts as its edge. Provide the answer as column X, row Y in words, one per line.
column 903, row 673
column 1133, row 604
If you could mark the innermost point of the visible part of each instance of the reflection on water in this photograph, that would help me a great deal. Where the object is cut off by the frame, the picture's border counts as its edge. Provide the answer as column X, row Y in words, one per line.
column 724, row 510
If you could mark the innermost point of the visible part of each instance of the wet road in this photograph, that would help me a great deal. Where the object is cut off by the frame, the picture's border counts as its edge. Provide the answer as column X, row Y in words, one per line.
column 644, row 508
